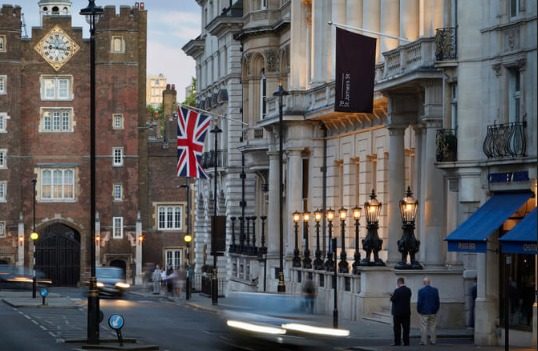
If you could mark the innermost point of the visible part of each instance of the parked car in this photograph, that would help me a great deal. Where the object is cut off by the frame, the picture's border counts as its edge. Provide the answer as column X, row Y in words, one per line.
column 18, row 277
column 111, row 281
column 268, row 321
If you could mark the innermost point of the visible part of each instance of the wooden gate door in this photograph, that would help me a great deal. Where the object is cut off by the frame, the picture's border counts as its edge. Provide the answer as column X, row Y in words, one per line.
column 58, row 254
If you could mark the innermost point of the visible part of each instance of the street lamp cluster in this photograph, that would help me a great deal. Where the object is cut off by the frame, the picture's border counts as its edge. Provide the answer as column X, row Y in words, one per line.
column 247, row 236
column 371, row 244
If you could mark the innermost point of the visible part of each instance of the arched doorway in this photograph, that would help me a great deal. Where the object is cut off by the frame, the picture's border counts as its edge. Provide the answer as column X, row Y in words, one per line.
column 120, row 264
column 58, row 254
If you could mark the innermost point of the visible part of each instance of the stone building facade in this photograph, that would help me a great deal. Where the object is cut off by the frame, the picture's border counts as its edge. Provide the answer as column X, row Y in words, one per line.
column 429, row 83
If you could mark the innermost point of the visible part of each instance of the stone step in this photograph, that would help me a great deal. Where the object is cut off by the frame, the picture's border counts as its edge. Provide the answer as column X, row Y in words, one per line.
column 380, row 317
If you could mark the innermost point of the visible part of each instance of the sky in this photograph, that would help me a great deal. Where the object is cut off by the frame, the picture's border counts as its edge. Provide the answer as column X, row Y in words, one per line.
column 171, row 24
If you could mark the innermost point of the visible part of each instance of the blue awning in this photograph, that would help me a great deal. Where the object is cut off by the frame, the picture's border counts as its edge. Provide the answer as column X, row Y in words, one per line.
column 523, row 238
column 472, row 235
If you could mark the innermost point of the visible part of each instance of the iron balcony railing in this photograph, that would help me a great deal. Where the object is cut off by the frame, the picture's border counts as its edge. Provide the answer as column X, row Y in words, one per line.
column 208, row 159
column 506, row 140
column 447, row 145
column 445, row 44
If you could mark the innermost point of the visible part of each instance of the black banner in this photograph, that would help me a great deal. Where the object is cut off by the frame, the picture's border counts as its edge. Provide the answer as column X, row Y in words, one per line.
column 355, row 72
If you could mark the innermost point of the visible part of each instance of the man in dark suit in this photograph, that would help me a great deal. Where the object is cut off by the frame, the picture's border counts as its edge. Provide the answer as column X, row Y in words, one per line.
column 401, row 312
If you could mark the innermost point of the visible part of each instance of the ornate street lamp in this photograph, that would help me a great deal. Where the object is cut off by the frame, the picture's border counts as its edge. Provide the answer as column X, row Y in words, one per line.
column 92, row 13
column 296, row 258
column 307, row 261
column 318, row 261
column 357, row 256
column 280, row 92
column 408, row 244
column 343, row 266
column 329, row 263
column 372, row 243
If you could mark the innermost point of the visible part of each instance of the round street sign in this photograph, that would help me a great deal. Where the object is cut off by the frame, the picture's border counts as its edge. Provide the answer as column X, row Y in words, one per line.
column 115, row 322
column 43, row 292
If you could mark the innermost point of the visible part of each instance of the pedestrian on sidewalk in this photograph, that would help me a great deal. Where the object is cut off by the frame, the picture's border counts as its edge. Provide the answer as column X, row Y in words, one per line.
column 156, row 277
column 428, row 306
column 309, row 293
column 401, row 312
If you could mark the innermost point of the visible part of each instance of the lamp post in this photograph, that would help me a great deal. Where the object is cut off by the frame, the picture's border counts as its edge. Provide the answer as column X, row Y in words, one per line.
column 33, row 236
column 232, row 246
column 262, row 254
column 318, row 262
column 372, row 243
column 335, row 286
column 329, row 263
column 214, row 277
column 296, row 258
column 357, row 255
column 253, row 250
column 307, row 261
column 343, row 266
column 188, row 238
column 280, row 92
column 408, row 243
column 92, row 14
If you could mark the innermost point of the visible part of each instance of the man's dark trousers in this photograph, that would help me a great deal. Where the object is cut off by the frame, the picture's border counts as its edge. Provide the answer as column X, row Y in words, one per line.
column 399, row 323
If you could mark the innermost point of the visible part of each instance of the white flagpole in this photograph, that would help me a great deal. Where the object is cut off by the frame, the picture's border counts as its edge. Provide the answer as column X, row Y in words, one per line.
column 357, row 29
column 214, row 114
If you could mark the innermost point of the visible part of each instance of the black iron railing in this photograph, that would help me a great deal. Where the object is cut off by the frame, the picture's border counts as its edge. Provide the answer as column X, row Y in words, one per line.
column 208, row 159
column 506, row 140
column 447, row 145
column 445, row 44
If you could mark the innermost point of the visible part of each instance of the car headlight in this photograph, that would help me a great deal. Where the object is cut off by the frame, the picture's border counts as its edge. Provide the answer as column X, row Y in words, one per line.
column 122, row 285
column 303, row 328
column 256, row 328
column 100, row 285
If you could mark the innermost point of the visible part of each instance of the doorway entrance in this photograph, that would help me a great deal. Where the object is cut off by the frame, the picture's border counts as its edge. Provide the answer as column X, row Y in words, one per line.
column 58, row 254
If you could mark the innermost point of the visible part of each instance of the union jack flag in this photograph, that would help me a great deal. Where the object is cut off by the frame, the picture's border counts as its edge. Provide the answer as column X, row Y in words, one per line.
column 191, row 132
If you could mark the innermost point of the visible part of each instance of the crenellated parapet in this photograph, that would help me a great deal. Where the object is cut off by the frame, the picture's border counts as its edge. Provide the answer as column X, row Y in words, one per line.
column 11, row 17
column 128, row 18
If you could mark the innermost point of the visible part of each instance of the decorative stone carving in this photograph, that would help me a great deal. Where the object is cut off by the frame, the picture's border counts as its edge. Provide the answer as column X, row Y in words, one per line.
column 272, row 60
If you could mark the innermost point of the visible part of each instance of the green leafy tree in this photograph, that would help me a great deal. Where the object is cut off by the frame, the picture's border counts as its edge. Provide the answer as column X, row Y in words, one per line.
column 190, row 99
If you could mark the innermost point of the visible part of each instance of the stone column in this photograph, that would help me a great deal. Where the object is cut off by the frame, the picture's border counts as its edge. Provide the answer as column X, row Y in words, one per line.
column 487, row 300
column 20, row 242
column 273, row 239
column 294, row 196
column 431, row 17
column 432, row 198
column 338, row 16
column 409, row 19
column 321, row 32
column 371, row 21
column 138, row 252
column 390, row 24
column 396, row 189
column 354, row 13
column 298, row 78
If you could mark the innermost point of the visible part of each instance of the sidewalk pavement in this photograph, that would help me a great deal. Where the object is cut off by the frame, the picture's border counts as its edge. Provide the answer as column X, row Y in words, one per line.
column 23, row 298
column 371, row 335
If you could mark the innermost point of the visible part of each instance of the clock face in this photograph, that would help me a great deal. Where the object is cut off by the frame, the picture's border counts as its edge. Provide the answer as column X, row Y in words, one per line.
column 56, row 47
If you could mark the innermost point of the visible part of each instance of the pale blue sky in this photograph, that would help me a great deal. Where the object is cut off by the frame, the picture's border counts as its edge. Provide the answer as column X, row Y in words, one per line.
column 171, row 24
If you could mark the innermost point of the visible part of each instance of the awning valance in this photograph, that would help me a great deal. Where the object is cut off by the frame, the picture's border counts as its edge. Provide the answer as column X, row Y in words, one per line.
column 523, row 238
column 472, row 235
